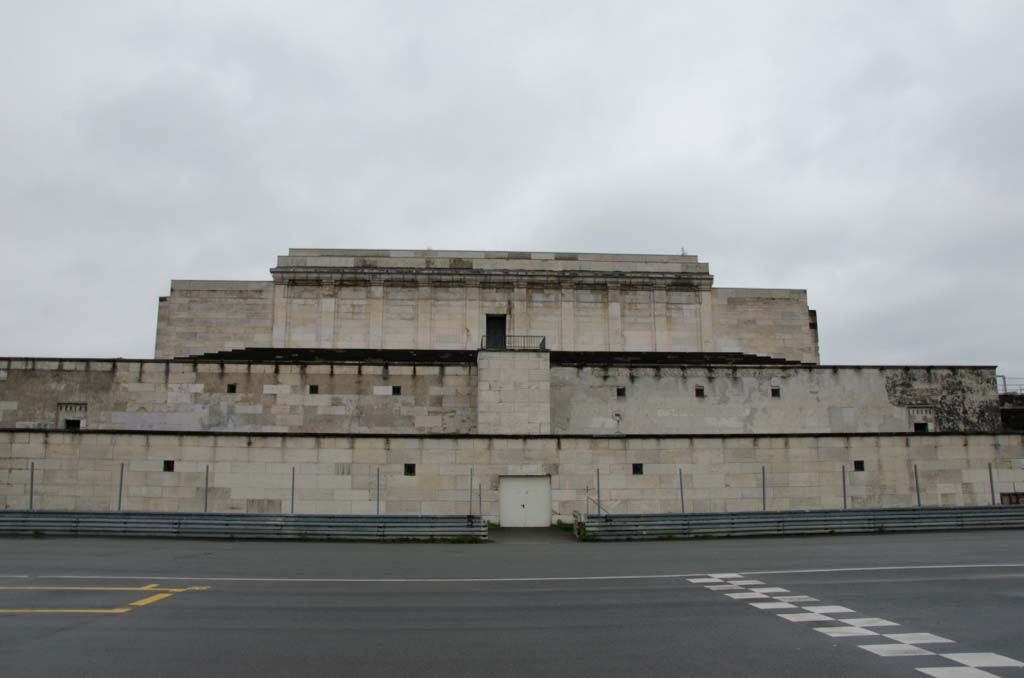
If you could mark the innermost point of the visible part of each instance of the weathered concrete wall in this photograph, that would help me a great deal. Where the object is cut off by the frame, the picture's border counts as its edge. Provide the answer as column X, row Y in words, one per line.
column 511, row 393
column 514, row 392
column 138, row 395
column 765, row 322
column 201, row 316
column 439, row 300
column 336, row 474
column 659, row 400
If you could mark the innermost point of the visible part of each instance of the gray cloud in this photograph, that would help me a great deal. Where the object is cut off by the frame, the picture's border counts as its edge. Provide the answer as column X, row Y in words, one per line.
column 868, row 152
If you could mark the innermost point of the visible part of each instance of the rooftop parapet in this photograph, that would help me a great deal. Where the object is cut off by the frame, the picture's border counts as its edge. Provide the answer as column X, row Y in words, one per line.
column 301, row 264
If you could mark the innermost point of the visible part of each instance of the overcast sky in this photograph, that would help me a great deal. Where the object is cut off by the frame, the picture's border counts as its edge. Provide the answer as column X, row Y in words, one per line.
column 869, row 152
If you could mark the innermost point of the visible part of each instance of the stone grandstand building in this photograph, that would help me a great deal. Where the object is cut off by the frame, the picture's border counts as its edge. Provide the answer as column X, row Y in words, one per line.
column 528, row 372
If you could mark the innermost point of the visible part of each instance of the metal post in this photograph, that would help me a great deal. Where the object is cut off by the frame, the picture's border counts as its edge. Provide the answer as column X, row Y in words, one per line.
column 378, row 490
column 480, row 498
column 844, row 487
column 764, row 490
column 991, row 483
column 206, row 490
column 682, row 500
column 586, row 499
column 31, row 482
column 917, row 486
column 293, row 491
column 470, row 511
column 120, row 487
column 599, row 493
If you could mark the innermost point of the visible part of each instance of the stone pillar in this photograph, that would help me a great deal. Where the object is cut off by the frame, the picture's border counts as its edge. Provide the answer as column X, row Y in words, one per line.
column 707, row 333
column 279, row 337
column 472, row 316
column 513, row 392
column 424, row 308
column 520, row 320
column 375, row 309
column 661, row 341
column 567, row 338
column 614, row 318
column 328, row 305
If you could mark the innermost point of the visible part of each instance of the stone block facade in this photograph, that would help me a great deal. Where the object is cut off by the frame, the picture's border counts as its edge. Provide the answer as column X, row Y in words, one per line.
column 337, row 474
column 410, row 299
column 513, row 392
column 493, row 392
column 350, row 362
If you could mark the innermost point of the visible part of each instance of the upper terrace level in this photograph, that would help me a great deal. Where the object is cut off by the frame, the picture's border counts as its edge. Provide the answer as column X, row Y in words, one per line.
column 450, row 300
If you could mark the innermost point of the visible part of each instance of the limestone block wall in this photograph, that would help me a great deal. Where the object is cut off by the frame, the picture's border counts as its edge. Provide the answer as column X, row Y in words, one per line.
column 201, row 316
column 514, row 392
column 258, row 397
column 439, row 300
column 766, row 322
column 709, row 400
column 337, row 474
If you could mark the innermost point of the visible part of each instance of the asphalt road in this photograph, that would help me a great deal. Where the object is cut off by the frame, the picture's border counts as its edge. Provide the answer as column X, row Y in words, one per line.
column 533, row 603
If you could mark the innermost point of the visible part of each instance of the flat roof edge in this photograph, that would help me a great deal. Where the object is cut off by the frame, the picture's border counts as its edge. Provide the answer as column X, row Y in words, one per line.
column 548, row 436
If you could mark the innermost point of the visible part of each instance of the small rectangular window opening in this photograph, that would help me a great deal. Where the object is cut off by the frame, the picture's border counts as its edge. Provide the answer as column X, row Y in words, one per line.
column 314, row 389
column 620, row 391
column 1011, row 498
column 858, row 465
column 410, row 469
column 920, row 427
column 638, row 469
column 232, row 388
column 168, row 465
column 73, row 424
column 699, row 391
column 776, row 392
column 397, row 390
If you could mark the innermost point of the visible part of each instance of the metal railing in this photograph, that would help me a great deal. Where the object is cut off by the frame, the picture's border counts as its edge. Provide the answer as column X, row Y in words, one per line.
column 240, row 526
column 1005, row 384
column 513, row 342
column 779, row 523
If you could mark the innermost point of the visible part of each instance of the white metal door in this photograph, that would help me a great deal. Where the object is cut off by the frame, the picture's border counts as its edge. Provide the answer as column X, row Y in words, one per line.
column 525, row 501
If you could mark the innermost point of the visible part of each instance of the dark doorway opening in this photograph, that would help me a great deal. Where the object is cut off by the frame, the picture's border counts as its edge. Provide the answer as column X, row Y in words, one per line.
column 495, row 331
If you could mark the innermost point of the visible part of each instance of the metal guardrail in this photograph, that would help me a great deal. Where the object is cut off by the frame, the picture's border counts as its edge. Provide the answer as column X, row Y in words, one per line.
column 513, row 342
column 1009, row 385
column 239, row 526
column 779, row 523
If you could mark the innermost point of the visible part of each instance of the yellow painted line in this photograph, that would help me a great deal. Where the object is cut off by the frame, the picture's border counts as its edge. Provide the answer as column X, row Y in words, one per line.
column 85, row 588
column 151, row 586
column 151, row 599
column 117, row 610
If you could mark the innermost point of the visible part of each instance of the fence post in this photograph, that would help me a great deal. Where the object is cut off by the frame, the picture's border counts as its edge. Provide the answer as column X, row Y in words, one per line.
column 598, row 493
column 470, row 511
column 764, row 490
column 206, row 490
column 31, row 484
column 917, row 486
column 992, row 483
column 682, row 500
column 293, row 491
column 378, row 490
column 120, row 487
column 844, row 487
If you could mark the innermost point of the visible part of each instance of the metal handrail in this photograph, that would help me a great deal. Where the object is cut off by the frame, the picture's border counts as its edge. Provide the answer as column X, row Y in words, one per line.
column 1009, row 385
column 513, row 342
